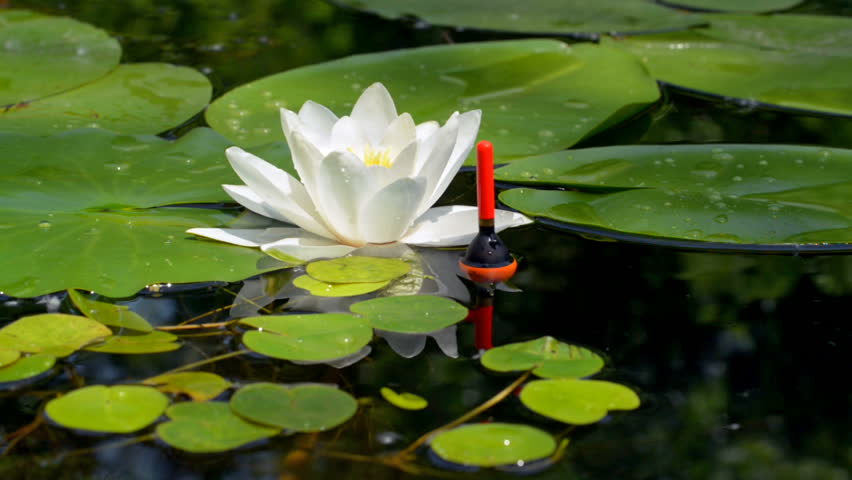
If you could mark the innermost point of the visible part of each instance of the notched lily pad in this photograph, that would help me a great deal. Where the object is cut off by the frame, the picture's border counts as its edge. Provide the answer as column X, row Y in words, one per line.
column 300, row 408
column 151, row 342
column 200, row 386
column 116, row 409
column 493, row 444
column 546, row 357
column 411, row 313
column 56, row 334
column 404, row 400
column 323, row 289
column 307, row 338
column 118, row 316
column 357, row 269
column 26, row 367
column 579, row 402
column 209, row 427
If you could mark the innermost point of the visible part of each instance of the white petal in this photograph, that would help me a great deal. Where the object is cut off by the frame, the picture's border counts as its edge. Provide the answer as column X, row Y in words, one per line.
column 404, row 162
column 245, row 237
column 306, row 160
column 374, row 111
column 317, row 122
column 343, row 185
column 290, row 122
column 347, row 135
column 426, row 129
column 468, row 129
column 442, row 144
column 399, row 134
column 389, row 213
column 406, row 345
column 456, row 225
column 306, row 246
column 246, row 197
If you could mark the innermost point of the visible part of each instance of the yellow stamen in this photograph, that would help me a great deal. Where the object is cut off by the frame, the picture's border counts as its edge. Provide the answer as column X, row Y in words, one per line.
column 376, row 157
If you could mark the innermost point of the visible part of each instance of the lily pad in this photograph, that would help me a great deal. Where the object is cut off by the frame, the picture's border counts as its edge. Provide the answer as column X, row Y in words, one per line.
column 753, row 6
column 411, row 313
column 56, row 334
column 537, row 16
column 797, row 62
column 546, row 357
column 8, row 356
column 307, row 338
column 154, row 97
column 116, row 409
column 300, row 408
column 151, row 342
column 579, row 402
column 493, row 444
column 357, row 269
column 404, row 400
column 44, row 55
column 118, row 316
column 200, row 386
column 209, row 427
column 76, row 212
column 762, row 196
column 322, row 289
column 28, row 366
column 536, row 95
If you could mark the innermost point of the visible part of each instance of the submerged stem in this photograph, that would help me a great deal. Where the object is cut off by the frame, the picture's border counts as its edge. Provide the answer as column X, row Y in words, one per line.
column 190, row 366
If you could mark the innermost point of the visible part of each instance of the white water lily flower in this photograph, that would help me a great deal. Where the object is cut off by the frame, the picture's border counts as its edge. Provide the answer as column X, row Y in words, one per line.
column 366, row 179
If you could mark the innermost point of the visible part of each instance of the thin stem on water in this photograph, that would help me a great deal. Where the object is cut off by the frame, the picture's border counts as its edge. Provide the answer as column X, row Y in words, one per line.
column 206, row 361
column 196, row 326
column 467, row 416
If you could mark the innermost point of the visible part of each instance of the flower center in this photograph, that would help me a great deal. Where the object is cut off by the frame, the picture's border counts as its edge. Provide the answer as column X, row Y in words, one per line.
column 381, row 157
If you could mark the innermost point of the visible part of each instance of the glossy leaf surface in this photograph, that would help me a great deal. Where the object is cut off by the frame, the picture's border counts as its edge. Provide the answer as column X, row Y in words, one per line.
column 546, row 357
column 404, row 400
column 56, row 334
column 118, row 316
column 579, row 402
column 307, row 338
column 493, row 444
column 323, row 289
column 753, row 6
column 209, row 427
column 357, row 269
column 26, row 367
column 200, row 386
column 300, row 408
column 410, row 313
column 129, row 344
column 116, row 409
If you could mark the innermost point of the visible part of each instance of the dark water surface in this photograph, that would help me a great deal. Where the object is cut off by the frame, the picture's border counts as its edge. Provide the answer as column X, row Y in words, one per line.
column 741, row 361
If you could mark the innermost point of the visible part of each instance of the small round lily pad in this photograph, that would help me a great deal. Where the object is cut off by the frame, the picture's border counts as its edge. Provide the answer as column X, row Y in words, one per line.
column 56, row 334
column 357, row 269
column 151, row 342
column 579, row 402
column 307, row 338
column 301, row 408
column 27, row 367
column 200, row 386
column 323, row 289
column 411, row 313
column 404, row 400
column 208, row 427
column 116, row 409
column 546, row 357
column 493, row 444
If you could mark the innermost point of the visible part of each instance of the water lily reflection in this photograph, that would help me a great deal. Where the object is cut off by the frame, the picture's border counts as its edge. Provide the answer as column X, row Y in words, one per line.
column 366, row 179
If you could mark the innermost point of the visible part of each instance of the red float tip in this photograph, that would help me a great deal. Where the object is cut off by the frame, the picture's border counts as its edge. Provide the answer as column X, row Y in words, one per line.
column 485, row 182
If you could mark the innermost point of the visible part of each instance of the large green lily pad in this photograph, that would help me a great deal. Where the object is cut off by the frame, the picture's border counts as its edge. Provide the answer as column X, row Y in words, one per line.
column 129, row 344
column 208, row 427
column 55, row 334
column 116, row 409
column 536, row 95
column 46, row 55
column 793, row 61
column 752, row 6
column 546, row 357
column 134, row 98
column 493, row 444
column 200, row 386
column 300, row 408
column 579, row 402
column 776, row 196
column 118, row 316
column 410, row 313
column 75, row 212
column 26, row 367
column 307, row 338
column 537, row 16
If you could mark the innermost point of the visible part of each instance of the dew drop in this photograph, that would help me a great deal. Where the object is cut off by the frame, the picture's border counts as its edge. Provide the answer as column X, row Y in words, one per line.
column 721, row 218
column 44, row 224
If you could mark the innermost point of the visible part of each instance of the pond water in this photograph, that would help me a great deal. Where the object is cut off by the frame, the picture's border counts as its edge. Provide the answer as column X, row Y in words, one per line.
column 737, row 357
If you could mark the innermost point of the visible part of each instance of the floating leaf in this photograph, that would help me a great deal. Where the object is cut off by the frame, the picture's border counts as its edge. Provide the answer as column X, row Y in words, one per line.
column 44, row 55
column 493, row 444
column 579, row 402
column 795, row 61
column 200, row 386
column 536, row 95
column 75, row 212
column 307, row 338
column 546, row 357
column 118, row 316
column 27, row 367
column 301, row 408
column 8, row 356
column 404, row 400
column 151, row 342
column 116, row 409
column 208, row 427
column 537, row 16
column 154, row 97
column 410, row 314
column 753, row 6
column 322, row 289
column 357, row 269
column 764, row 195
column 56, row 334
